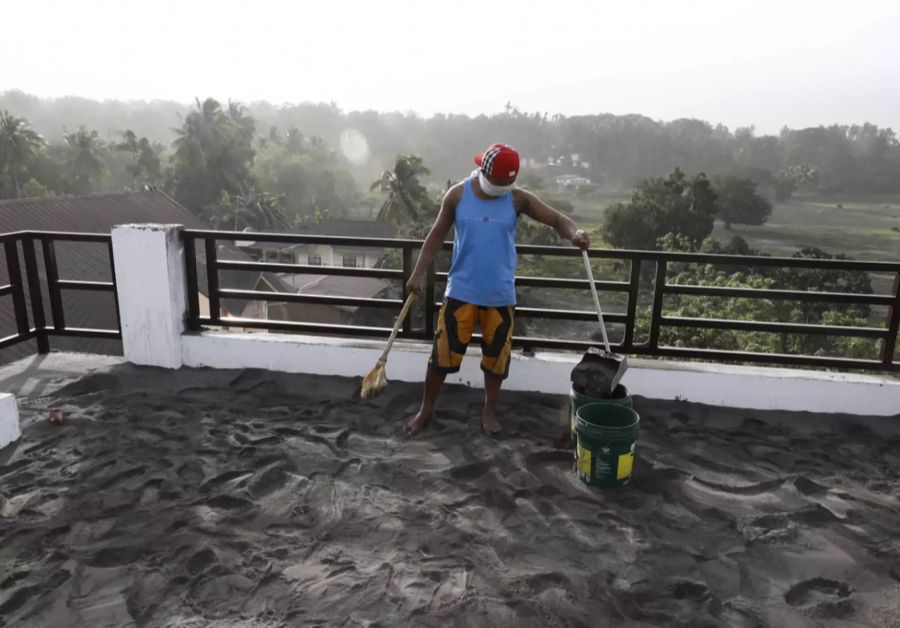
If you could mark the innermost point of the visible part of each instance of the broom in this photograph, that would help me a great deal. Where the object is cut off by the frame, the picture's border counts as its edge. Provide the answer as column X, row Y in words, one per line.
column 375, row 382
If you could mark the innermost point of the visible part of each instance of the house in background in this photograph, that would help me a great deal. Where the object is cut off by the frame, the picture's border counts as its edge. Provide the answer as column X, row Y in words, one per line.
column 326, row 255
column 86, row 261
column 571, row 181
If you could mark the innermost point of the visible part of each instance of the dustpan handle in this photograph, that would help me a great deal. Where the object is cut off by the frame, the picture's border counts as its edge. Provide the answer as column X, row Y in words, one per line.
column 590, row 274
column 403, row 312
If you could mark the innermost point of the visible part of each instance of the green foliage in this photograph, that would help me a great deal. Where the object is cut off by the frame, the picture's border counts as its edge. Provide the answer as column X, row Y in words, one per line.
column 789, row 179
column 85, row 168
column 406, row 196
column 756, row 277
column 213, row 153
column 19, row 147
column 675, row 204
column 738, row 201
column 304, row 173
column 34, row 189
column 252, row 209
column 144, row 167
column 619, row 150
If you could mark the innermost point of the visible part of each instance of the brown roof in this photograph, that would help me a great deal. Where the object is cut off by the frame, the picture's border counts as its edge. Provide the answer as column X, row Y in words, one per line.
column 337, row 286
column 98, row 213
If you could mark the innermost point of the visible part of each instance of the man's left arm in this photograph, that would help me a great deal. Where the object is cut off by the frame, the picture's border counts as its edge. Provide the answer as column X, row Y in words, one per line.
column 535, row 208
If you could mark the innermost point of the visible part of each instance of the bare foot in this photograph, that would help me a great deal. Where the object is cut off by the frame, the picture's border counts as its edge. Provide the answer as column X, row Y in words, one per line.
column 489, row 423
column 419, row 422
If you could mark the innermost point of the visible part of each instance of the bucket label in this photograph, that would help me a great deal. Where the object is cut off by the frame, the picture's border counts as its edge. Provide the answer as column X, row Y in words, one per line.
column 626, row 462
column 583, row 461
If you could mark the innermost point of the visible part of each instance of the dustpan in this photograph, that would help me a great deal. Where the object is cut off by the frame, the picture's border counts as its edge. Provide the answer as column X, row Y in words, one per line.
column 600, row 370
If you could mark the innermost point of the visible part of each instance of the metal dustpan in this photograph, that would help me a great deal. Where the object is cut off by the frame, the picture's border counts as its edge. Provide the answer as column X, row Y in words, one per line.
column 600, row 370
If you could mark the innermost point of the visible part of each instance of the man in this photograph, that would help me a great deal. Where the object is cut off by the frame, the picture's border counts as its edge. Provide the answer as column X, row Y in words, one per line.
column 481, row 284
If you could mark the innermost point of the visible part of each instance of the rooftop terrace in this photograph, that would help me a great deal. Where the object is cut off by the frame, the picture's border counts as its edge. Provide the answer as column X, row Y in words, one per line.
column 216, row 476
column 245, row 497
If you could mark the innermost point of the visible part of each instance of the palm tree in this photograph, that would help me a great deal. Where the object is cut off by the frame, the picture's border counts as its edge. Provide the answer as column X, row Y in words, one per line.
column 84, row 163
column 145, row 165
column 406, row 196
column 254, row 209
column 19, row 145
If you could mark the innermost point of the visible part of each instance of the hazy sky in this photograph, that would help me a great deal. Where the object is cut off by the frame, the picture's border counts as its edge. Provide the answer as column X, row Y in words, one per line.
column 790, row 62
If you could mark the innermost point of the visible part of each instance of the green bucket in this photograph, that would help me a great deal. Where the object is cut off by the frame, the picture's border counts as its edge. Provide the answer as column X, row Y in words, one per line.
column 607, row 434
column 621, row 396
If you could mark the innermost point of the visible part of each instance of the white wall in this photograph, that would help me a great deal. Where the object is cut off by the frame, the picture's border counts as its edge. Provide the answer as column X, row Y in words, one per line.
column 150, row 275
column 714, row 384
column 150, row 279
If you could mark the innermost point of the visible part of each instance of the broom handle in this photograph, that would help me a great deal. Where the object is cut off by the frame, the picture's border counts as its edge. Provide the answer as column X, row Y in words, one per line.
column 403, row 311
column 590, row 274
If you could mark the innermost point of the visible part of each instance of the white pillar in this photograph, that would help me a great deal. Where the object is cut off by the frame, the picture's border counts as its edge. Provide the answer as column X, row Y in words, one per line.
column 9, row 420
column 150, row 278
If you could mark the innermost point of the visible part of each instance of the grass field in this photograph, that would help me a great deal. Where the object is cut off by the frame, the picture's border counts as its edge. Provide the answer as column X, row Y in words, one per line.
column 858, row 229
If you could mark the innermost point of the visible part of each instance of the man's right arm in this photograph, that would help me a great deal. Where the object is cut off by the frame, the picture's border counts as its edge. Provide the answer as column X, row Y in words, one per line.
column 436, row 237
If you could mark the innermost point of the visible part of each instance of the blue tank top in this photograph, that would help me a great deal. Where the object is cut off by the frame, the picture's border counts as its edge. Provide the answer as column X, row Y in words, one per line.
column 483, row 269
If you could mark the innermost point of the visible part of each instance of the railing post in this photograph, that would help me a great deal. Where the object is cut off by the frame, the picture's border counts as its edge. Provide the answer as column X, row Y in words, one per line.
column 658, row 293
column 18, row 294
column 112, row 276
column 407, row 273
column 150, row 278
column 193, row 293
column 37, row 301
column 429, row 301
column 56, row 308
column 634, row 285
column 893, row 321
column 212, row 281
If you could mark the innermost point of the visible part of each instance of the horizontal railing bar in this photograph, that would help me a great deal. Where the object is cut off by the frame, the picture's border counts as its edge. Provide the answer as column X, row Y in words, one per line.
column 709, row 258
column 293, row 238
column 581, row 284
column 296, row 326
column 85, row 332
column 70, row 236
column 568, row 315
column 291, row 297
column 4, row 290
column 97, row 286
column 528, row 342
column 771, row 358
column 15, row 339
column 791, row 295
column 565, row 251
column 550, row 282
column 300, row 269
column 776, row 328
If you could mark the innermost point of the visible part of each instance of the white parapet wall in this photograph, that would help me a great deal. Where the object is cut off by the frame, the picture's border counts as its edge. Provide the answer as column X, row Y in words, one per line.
column 150, row 275
column 10, row 429
column 715, row 384
column 150, row 279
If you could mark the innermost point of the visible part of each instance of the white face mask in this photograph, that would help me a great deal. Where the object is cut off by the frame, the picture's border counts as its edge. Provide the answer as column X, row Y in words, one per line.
column 493, row 190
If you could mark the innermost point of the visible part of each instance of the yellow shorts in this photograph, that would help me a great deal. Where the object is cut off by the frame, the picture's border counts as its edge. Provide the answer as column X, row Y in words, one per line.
column 456, row 322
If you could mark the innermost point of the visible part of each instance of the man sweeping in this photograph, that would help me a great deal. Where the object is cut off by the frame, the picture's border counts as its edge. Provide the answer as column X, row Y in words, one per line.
column 481, row 287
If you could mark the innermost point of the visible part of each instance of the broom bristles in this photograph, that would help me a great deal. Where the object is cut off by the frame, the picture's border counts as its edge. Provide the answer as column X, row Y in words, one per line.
column 374, row 383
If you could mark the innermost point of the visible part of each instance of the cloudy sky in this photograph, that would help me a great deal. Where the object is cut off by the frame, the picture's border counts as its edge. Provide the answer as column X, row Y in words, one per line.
column 790, row 62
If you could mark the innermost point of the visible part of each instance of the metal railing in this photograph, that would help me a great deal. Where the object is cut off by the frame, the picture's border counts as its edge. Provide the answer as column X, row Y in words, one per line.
column 30, row 315
column 658, row 262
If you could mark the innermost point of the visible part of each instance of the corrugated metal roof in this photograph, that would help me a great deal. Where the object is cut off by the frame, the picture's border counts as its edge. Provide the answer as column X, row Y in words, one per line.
column 93, row 214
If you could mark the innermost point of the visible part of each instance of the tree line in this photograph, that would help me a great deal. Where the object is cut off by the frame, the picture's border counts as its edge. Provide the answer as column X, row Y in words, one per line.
column 615, row 151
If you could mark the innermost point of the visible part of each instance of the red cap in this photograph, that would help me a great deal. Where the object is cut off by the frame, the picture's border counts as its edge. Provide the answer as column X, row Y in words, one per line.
column 499, row 162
